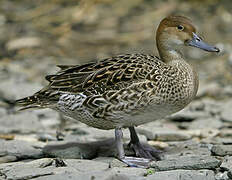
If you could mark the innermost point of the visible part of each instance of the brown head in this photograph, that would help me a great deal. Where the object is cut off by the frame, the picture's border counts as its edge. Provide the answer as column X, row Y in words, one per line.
column 174, row 32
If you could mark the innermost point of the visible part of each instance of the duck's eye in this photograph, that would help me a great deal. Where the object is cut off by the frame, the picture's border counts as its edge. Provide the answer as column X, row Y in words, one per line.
column 180, row 27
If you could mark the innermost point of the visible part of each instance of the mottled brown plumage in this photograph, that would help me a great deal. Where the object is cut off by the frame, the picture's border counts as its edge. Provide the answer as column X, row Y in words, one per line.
column 127, row 90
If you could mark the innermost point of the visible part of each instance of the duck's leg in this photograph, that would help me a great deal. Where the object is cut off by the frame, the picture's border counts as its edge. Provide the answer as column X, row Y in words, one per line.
column 130, row 161
column 141, row 150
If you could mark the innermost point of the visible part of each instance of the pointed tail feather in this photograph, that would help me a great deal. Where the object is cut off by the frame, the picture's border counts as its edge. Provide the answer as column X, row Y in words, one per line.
column 29, row 102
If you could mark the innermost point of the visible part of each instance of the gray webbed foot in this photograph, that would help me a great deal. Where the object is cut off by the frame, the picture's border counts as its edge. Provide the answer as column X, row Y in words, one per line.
column 136, row 162
column 143, row 150
column 130, row 161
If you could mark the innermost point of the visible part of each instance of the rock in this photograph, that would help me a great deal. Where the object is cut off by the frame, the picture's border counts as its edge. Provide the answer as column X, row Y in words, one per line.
column 187, row 116
column 197, row 106
column 163, row 135
column 70, row 150
column 3, row 112
column 230, row 59
column 222, row 150
column 227, row 163
column 182, row 175
column 87, row 170
column 23, row 122
column 229, row 174
column 86, row 166
column 113, row 162
column 23, row 42
column 226, row 114
column 9, row 92
column 222, row 176
column 28, row 170
column 159, row 144
column 227, row 90
column 210, row 123
column 2, row 19
column 212, row 89
column 189, row 162
column 6, row 159
column 213, row 107
column 19, row 149
column 203, row 133
column 226, row 133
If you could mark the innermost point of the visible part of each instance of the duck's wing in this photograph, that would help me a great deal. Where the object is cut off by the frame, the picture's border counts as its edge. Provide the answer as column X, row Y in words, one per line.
column 109, row 74
column 94, row 78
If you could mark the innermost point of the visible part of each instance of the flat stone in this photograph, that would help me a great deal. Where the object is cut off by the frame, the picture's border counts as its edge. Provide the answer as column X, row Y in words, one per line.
column 27, row 170
column 89, row 176
column 182, row 175
column 6, row 159
column 70, row 150
column 202, row 123
column 227, row 163
column 186, row 149
column 188, row 116
column 190, row 163
column 226, row 114
column 87, row 170
column 113, row 162
column 83, row 165
column 222, row 150
column 163, row 135
column 19, row 149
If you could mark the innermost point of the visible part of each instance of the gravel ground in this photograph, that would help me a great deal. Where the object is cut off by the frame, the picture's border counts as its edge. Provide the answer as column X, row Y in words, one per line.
column 35, row 36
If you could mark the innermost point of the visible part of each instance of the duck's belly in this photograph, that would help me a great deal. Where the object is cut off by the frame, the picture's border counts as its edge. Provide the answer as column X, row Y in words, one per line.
column 134, row 117
column 144, row 115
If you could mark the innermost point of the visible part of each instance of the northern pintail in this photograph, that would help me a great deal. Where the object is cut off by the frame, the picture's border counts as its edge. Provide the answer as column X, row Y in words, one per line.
column 128, row 90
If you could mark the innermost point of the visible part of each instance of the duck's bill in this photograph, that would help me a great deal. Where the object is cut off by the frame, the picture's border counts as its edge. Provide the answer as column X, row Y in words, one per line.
column 197, row 42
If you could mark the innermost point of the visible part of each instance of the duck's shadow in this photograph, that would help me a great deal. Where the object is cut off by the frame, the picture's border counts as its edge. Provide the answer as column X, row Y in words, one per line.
column 89, row 150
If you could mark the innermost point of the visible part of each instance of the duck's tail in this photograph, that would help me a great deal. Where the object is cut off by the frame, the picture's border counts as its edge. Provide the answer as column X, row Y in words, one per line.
column 41, row 99
column 29, row 102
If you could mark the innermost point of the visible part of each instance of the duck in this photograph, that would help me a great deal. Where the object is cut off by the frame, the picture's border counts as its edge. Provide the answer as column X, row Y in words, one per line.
column 128, row 90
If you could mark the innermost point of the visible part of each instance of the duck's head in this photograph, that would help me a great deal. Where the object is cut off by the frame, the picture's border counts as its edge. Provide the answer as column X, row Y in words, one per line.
column 174, row 32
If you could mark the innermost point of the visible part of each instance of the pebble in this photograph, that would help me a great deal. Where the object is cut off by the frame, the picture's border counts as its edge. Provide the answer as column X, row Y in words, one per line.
column 222, row 150
column 23, row 42
column 19, row 149
column 188, row 162
column 222, row 176
column 226, row 114
column 227, row 163
column 229, row 174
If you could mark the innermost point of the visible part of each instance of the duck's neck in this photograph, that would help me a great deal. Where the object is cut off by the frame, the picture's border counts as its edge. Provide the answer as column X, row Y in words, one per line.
column 168, row 52
column 174, row 57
